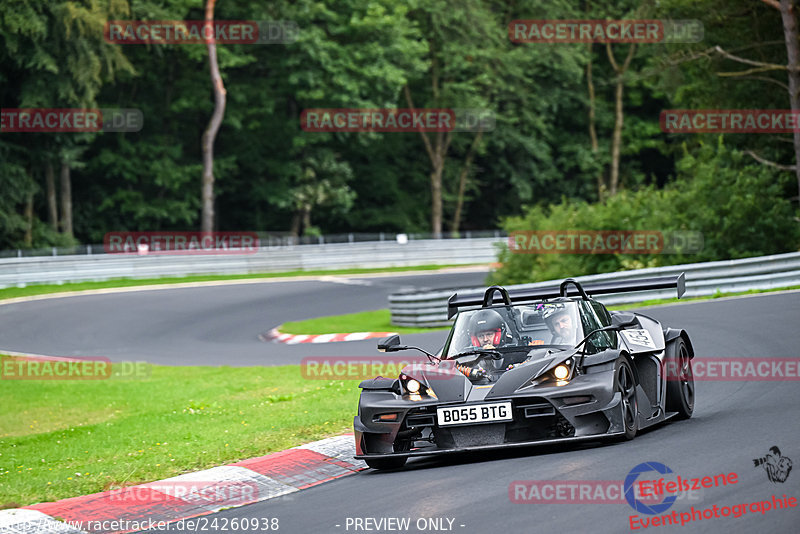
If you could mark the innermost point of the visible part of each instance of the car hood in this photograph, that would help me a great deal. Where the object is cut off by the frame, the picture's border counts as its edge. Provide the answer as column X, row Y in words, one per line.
column 449, row 384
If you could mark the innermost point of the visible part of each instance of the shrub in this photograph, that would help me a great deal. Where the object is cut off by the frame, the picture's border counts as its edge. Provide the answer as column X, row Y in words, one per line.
column 740, row 206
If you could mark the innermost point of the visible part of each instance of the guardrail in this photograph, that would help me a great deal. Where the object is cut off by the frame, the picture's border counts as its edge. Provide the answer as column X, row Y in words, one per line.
column 268, row 241
column 765, row 272
column 376, row 254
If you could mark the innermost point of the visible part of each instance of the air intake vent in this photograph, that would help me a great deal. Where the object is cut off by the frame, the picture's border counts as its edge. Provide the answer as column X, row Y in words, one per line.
column 538, row 410
column 419, row 420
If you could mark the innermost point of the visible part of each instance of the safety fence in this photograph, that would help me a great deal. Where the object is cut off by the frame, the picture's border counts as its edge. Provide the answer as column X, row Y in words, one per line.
column 397, row 251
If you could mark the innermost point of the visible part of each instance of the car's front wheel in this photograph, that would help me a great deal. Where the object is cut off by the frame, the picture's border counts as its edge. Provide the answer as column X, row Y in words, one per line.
column 680, row 380
column 625, row 384
column 386, row 463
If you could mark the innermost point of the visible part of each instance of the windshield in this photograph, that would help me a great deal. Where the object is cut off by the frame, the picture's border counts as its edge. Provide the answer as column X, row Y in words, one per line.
column 553, row 323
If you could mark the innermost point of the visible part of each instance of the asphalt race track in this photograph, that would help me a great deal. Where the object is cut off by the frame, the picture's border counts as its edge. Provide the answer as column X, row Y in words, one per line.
column 734, row 422
column 211, row 325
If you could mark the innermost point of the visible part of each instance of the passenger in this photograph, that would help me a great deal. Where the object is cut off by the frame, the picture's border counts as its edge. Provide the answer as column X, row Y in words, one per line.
column 561, row 324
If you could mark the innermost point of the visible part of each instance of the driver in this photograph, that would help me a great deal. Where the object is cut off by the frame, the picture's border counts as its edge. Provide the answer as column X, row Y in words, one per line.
column 560, row 322
column 487, row 330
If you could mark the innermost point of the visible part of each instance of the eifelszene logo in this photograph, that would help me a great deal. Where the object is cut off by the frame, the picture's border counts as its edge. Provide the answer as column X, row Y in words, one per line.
column 638, row 505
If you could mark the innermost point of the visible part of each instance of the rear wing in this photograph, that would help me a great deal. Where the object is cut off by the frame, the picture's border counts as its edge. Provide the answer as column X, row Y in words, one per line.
column 563, row 290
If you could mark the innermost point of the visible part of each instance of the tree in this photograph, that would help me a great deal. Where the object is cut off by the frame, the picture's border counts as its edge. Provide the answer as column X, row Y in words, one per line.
column 148, row 180
column 737, row 205
column 348, row 54
column 213, row 126
column 759, row 35
column 619, row 114
column 462, row 182
column 625, row 74
column 324, row 183
column 458, row 74
column 790, row 33
column 56, row 56
column 563, row 130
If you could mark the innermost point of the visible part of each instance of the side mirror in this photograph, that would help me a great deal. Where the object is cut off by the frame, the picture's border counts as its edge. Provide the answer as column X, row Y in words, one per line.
column 390, row 344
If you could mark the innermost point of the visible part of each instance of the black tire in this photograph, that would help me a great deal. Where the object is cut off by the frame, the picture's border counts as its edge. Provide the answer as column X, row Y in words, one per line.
column 386, row 463
column 680, row 379
column 625, row 384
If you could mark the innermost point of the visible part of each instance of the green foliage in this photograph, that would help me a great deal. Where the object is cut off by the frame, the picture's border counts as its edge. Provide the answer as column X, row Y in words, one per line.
column 696, row 77
column 53, row 56
column 16, row 185
column 739, row 206
column 362, row 53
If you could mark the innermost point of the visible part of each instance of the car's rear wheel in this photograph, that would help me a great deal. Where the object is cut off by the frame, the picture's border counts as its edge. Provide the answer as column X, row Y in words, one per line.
column 680, row 380
column 386, row 463
column 625, row 384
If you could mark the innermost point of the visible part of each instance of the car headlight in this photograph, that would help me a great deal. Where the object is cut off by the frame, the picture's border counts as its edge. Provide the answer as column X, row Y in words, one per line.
column 561, row 372
column 412, row 386
column 415, row 390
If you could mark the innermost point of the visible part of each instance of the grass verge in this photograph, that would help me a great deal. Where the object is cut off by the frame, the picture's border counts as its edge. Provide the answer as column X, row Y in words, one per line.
column 64, row 438
column 43, row 289
column 368, row 321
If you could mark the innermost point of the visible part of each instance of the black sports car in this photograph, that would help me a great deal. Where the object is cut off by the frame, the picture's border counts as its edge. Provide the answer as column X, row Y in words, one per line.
column 537, row 366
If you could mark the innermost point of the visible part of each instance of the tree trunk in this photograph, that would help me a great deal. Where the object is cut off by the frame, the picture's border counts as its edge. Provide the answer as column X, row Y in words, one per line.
column 436, row 194
column 790, row 33
column 213, row 127
column 295, row 230
column 601, row 186
column 66, row 199
column 619, row 117
column 28, row 239
column 52, row 201
column 436, row 213
column 462, row 182
column 306, row 218
column 616, row 141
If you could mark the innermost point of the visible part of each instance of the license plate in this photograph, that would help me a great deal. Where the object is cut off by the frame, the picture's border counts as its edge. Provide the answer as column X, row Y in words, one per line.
column 474, row 413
